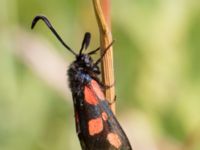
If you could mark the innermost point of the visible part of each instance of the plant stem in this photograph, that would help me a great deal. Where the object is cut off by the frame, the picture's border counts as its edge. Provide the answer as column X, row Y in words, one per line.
column 102, row 12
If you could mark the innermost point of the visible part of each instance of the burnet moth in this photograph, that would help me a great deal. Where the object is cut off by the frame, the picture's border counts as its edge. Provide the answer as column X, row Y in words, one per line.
column 96, row 125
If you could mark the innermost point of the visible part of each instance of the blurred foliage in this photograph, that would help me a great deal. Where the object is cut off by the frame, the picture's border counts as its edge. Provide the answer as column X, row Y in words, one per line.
column 157, row 68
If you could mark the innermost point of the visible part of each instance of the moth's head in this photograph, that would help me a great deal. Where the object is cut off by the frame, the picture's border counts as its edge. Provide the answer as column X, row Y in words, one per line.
column 85, row 61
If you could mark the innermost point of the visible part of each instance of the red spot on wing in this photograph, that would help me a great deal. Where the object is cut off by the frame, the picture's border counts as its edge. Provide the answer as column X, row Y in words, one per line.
column 114, row 140
column 95, row 126
column 90, row 96
column 97, row 90
column 104, row 116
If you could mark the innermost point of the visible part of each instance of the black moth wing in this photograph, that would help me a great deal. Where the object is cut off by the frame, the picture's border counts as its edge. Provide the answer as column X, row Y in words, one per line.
column 110, row 126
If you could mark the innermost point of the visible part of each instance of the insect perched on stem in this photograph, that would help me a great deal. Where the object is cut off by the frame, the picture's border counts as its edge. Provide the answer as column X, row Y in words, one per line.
column 96, row 125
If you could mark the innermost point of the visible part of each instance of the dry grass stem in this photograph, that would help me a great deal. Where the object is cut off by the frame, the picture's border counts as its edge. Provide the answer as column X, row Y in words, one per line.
column 103, row 21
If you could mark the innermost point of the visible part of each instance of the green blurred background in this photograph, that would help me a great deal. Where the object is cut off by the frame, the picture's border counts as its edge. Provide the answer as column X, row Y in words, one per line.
column 157, row 69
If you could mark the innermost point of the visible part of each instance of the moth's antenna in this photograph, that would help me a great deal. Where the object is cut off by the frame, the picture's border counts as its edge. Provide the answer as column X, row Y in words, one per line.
column 47, row 22
column 94, row 51
column 86, row 42
column 107, row 48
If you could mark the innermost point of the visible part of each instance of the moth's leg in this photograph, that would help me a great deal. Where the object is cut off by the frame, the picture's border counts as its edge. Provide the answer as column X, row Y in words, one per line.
column 113, row 101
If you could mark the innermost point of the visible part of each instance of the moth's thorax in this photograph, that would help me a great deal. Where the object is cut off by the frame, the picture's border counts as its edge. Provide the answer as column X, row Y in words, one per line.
column 81, row 71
